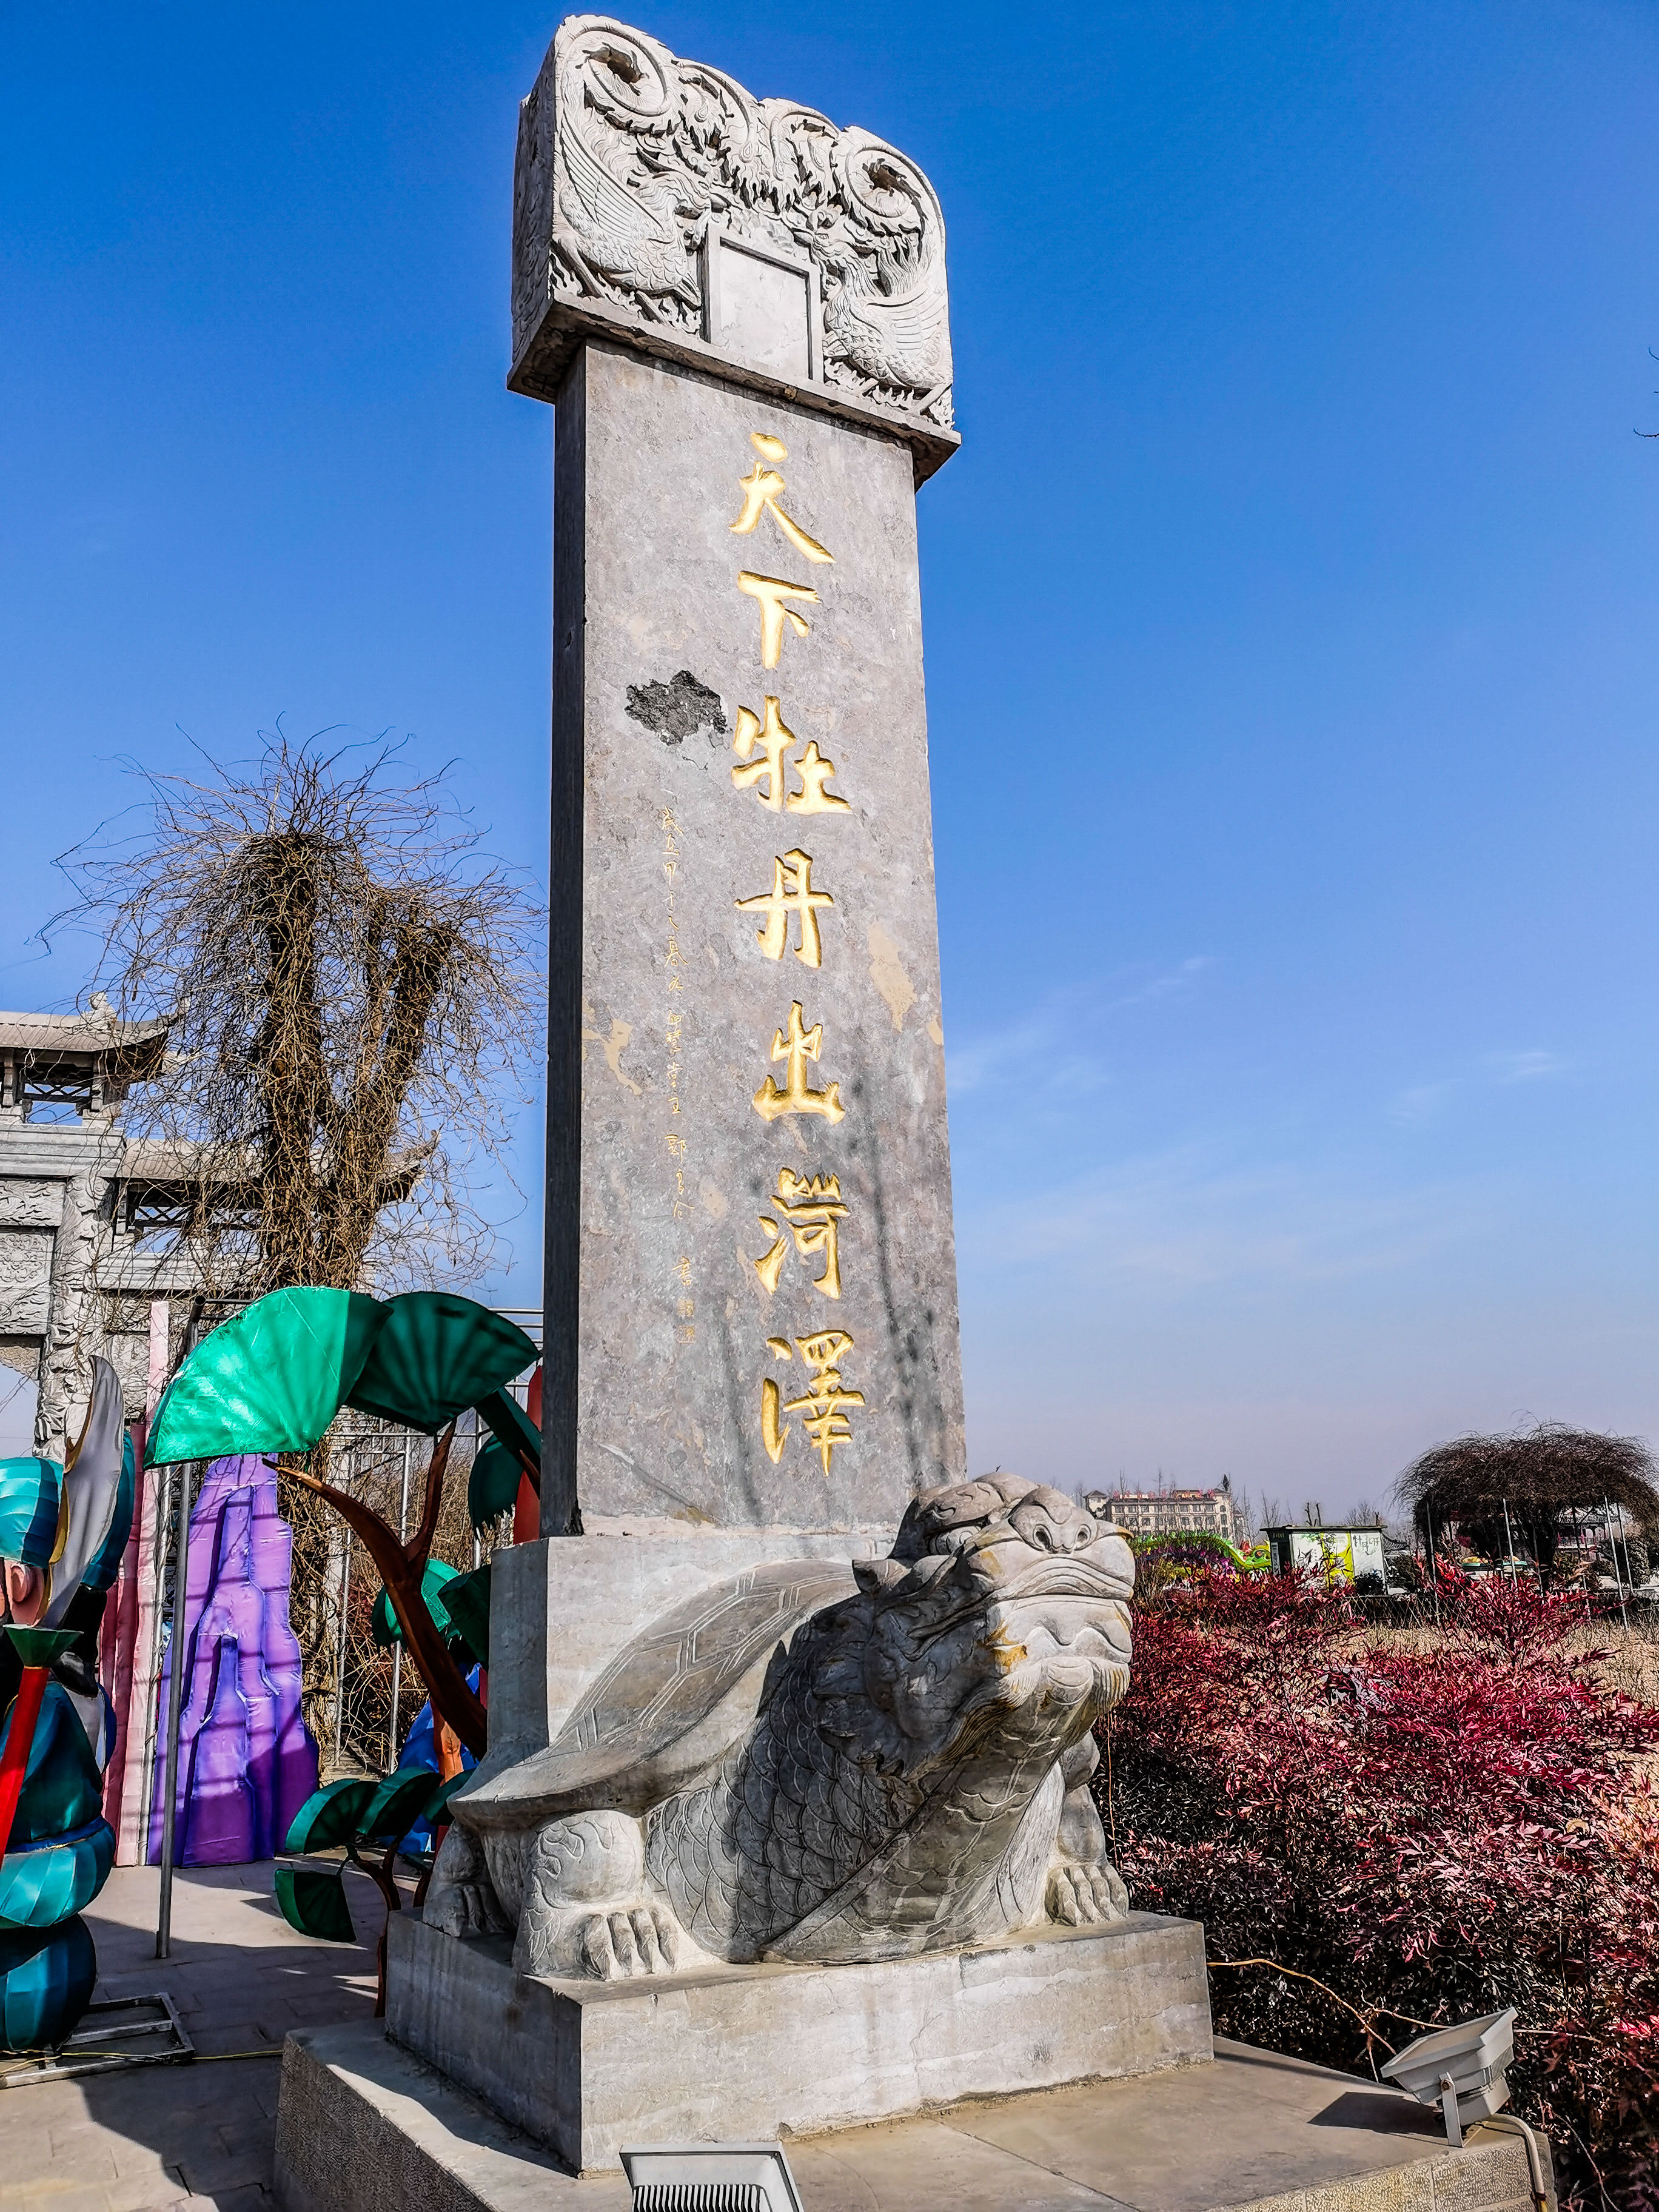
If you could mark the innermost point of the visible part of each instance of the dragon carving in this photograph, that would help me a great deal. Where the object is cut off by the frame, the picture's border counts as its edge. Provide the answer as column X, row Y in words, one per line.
column 627, row 154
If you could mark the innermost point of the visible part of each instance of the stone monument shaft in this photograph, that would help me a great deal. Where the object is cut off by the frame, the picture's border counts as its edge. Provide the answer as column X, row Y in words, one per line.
column 739, row 313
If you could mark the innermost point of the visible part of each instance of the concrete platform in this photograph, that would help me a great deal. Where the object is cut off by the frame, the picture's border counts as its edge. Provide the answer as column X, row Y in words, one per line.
column 584, row 2067
column 197, row 2138
column 365, row 2127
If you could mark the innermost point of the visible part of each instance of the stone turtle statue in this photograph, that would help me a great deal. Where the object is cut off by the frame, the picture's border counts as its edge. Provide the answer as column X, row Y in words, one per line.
column 821, row 1763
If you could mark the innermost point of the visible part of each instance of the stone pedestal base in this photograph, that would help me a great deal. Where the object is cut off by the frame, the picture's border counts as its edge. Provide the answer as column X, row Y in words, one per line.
column 741, row 2052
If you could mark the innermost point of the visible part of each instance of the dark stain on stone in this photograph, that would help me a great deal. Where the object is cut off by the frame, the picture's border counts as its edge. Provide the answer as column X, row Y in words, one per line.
column 677, row 709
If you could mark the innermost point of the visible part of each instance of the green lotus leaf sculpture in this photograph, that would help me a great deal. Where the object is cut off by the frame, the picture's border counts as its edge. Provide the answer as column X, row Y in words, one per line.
column 271, row 1380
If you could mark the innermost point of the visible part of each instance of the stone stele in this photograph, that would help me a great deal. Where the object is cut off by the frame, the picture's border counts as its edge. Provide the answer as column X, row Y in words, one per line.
column 751, row 1302
column 750, row 1343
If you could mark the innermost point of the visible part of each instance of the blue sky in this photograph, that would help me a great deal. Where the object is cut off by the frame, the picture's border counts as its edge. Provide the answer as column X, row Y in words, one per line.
column 1290, row 630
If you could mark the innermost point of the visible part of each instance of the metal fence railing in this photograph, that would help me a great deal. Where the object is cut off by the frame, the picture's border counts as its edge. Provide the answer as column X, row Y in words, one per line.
column 366, row 1697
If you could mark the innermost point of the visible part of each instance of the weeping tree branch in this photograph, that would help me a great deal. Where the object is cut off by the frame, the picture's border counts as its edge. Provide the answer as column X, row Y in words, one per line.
column 1533, row 1476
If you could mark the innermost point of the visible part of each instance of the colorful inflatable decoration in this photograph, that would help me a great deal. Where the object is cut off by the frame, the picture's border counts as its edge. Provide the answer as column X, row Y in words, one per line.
column 63, row 1531
column 421, row 1748
column 493, row 1485
column 273, row 1379
column 350, row 1817
column 1197, row 1547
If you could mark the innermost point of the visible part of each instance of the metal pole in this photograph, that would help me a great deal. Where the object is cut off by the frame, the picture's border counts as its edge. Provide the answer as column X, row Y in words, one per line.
column 476, row 1426
column 1612, row 1545
column 147, row 1787
column 339, row 1674
column 1624, row 1537
column 1509, row 1539
column 1578, row 1560
column 397, row 1648
column 176, row 1640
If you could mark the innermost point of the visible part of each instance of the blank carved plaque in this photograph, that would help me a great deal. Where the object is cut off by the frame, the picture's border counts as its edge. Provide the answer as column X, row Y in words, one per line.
column 658, row 202
column 762, row 307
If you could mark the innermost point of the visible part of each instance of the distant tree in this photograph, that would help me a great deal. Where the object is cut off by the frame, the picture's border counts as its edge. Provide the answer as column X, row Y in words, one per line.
column 1504, row 1489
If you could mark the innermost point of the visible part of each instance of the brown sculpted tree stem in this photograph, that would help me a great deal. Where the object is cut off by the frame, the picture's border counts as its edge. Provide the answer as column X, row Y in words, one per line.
column 400, row 1565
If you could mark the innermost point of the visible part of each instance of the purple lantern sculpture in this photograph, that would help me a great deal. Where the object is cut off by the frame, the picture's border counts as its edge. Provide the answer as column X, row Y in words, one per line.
column 246, row 1761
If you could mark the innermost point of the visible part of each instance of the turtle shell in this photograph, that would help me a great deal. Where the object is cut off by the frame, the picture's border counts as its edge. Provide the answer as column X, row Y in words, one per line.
column 671, row 1702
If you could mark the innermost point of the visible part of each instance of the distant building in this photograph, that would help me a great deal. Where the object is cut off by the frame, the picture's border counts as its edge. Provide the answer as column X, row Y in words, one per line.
column 88, row 1255
column 1169, row 1512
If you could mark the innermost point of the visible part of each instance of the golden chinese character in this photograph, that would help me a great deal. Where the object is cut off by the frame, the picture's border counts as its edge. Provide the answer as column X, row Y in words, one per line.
column 824, row 1403
column 774, row 741
column 792, row 892
column 771, row 592
column 811, row 1210
column 797, row 1048
column 774, row 737
column 772, row 1436
column 761, row 488
column 815, row 772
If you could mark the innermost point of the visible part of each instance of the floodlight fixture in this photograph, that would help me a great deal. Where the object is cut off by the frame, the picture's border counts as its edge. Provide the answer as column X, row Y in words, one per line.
column 1460, row 2069
column 710, row 2178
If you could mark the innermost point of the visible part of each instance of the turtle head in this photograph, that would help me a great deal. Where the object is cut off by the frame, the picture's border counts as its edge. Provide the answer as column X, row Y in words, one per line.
column 1001, row 1612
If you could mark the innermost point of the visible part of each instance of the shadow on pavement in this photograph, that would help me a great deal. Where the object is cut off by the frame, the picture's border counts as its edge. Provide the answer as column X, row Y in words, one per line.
column 198, row 2134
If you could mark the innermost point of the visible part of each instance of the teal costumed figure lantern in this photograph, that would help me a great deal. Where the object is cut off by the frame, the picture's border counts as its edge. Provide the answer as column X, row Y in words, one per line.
column 63, row 1531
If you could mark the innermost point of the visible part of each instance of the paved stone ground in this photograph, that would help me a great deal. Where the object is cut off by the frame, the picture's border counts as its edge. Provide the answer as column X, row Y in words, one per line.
column 186, row 2138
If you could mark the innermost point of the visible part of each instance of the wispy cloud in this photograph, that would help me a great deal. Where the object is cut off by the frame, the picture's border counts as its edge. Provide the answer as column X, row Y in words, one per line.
column 1425, row 1102
column 1188, row 1217
column 1064, row 1032
column 1422, row 1102
column 1525, row 1067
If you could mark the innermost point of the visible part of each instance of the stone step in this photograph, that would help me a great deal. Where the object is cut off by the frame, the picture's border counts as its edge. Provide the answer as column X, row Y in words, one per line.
column 365, row 2127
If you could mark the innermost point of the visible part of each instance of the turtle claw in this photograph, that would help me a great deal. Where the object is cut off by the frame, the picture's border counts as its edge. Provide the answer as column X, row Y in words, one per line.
column 459, row 1900
column 471, row 1911
column 622, row 1946
column 1086, row 1895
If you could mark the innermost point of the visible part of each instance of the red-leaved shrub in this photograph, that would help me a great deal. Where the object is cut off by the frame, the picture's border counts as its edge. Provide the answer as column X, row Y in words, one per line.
column 1433, row 1825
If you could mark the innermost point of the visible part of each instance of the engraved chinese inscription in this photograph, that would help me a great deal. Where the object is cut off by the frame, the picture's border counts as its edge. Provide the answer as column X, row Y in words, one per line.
column 810, row 1208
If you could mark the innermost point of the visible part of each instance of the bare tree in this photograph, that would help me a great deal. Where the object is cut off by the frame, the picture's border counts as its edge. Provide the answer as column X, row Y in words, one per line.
column 352, row 990
column 351, row 986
